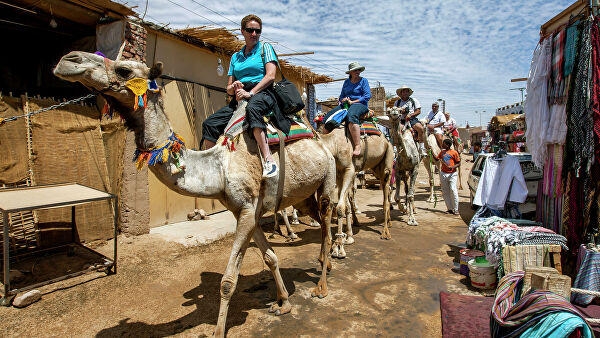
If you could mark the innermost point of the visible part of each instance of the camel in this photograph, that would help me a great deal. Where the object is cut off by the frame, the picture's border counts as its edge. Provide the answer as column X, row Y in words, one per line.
column 376, row 154
column 408, row 158
column 232, row 177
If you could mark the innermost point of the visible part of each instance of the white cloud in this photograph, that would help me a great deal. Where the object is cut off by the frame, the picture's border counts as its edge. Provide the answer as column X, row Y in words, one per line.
column 465, row 52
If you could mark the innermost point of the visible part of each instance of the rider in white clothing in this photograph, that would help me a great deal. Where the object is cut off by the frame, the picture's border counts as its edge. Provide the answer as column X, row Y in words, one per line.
column 435, row 123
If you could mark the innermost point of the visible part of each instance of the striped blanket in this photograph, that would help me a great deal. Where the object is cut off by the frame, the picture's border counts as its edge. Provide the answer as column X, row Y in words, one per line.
column 298, row 131
column 532, row 314
column 588, row 275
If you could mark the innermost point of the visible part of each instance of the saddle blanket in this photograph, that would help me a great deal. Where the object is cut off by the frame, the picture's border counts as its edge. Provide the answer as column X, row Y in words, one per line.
column 298, row 131
column 369, row 128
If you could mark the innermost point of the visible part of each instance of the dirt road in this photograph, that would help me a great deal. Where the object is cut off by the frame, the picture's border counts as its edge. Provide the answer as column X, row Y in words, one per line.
column 383, row 288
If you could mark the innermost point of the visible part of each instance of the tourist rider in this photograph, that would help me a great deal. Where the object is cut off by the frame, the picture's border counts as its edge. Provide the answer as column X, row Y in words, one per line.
column 435, row 123
column 354, row 97
column 251, row 76
column 412, row 108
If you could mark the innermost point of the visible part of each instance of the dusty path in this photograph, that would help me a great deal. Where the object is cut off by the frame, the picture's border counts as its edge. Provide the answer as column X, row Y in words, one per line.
column 383, row 288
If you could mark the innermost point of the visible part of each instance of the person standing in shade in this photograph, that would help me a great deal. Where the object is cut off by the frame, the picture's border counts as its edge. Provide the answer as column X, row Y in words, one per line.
column 251, row 77
column 449, row 175
column 354, row 97
column 412, row 108
column 435, row 123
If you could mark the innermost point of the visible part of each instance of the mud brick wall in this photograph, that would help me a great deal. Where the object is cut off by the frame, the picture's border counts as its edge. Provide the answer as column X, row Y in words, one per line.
column 135, row 42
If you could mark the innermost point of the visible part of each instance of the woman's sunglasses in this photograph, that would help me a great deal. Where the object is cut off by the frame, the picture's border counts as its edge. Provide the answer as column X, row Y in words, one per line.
column 253, row 30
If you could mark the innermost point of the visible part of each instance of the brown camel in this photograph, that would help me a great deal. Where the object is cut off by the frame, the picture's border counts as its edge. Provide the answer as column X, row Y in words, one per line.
column 376, row 154
column 232, row 177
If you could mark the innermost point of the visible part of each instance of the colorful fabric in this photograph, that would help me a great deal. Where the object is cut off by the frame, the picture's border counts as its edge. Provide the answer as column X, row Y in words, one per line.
column 558, row 59
column 369, row 128
column 491, row 234
column 170, row 150
column 588, row 275
column 513, row 314
column 297, row 131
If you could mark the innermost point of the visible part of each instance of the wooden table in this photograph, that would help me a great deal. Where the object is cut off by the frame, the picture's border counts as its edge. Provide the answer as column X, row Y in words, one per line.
column 46, row 197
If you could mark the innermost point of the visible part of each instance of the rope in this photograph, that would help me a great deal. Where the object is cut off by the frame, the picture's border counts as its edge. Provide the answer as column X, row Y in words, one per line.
column 586, row 292
column 592, row 293
column 62, row 104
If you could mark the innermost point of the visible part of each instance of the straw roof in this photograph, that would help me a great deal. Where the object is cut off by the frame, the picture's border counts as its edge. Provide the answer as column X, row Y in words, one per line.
column 224, row 41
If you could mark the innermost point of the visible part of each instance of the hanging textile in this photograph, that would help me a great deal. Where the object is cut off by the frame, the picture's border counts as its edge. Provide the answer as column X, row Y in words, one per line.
column 580, row 145
column 572, row 36
column 557, row 94
column 536, row 105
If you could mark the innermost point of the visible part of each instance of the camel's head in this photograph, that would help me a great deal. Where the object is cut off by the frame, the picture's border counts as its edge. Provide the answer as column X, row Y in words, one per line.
column 111, row 78
column 395, row 113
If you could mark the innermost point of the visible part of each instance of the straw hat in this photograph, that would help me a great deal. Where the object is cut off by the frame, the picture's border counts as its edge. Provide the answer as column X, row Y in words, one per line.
column 399, row 90
column 354, row 66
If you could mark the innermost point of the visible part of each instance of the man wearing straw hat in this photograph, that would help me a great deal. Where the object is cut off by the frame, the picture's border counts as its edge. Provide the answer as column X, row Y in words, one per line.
column 412, row 108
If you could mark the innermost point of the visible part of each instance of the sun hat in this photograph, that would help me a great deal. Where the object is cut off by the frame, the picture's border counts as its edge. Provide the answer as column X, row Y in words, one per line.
column 354, row 66
column 410, row 91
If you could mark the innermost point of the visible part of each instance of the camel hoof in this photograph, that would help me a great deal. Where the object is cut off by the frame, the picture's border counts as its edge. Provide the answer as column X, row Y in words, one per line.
column 295, row 222
column 342, row 253
column 349, row 240
column 282, row 309
column 335, row 251
column 271, row 236
column 293, row 236
column 413, row 223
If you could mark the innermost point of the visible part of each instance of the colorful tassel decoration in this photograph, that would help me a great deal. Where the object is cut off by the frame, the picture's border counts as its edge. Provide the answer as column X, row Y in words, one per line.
column 174, row 145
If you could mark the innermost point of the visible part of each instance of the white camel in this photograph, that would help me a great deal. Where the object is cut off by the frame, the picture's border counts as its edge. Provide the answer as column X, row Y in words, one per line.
column 232, row 177
column 407, row 162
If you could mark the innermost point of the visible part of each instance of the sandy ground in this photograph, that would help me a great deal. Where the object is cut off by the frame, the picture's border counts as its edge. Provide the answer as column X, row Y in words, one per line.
column 383, row 288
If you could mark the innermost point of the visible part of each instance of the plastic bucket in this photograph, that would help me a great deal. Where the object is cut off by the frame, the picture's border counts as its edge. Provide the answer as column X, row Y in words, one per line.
column 482, row 274
column 465, row 256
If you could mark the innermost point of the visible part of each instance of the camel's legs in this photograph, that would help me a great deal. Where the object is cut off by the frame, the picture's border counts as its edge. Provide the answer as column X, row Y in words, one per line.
column 277, row 228
column 410, row 196
column 246, row 221
column 345, row 182
column 314, row 209
column 384, row 172
column 282, row 305
column 428, row 162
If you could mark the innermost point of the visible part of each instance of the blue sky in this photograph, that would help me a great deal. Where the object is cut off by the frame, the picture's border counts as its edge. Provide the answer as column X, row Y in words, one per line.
column 462, row 51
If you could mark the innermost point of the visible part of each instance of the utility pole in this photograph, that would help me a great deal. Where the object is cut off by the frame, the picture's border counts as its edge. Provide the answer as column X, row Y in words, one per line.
column 443, row 105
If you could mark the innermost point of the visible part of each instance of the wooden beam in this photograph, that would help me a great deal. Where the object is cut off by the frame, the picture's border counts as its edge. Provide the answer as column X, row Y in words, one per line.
column 518, row 79
column 299, row 53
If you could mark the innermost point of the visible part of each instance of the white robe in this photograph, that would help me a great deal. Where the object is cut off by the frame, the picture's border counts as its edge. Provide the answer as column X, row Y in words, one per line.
column 498, row 179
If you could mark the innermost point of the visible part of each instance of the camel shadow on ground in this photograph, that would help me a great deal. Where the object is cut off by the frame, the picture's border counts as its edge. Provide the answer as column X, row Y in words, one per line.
column 255, row 291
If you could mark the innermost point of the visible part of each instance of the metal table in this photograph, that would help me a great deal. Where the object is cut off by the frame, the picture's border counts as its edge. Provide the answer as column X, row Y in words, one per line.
column 46, row 197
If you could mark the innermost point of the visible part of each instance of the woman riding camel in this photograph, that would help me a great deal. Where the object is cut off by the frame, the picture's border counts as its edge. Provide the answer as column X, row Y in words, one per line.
column 251, row 76
column 354, row 97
